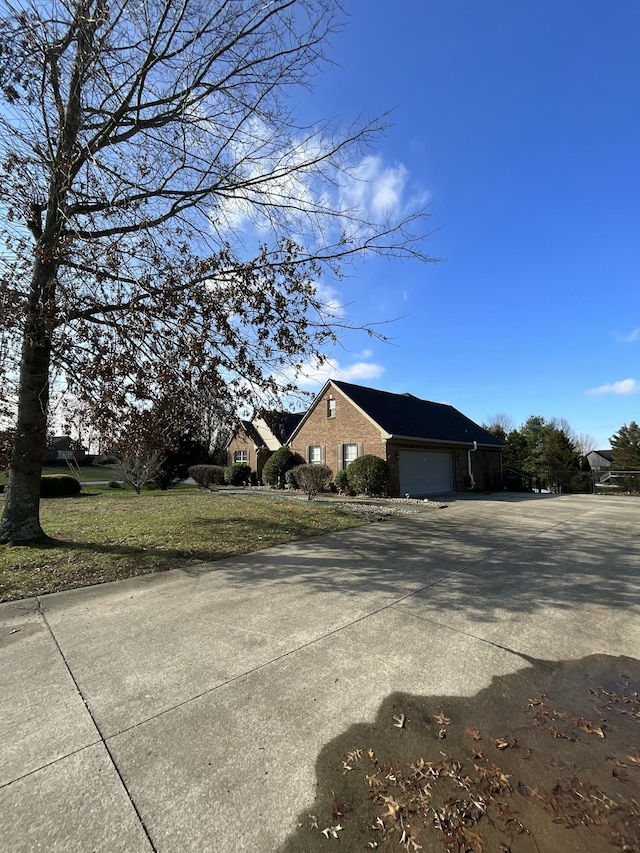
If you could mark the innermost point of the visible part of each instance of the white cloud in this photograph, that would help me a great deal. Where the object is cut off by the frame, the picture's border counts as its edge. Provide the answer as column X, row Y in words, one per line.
column 313, row 375
column 294, row 186
column 630, row 338
column 329, row 297
column 373, row 189
column 624, row 386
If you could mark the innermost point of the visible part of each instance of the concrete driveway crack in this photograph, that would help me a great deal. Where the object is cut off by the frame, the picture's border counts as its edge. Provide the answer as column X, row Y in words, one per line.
column 102, row 739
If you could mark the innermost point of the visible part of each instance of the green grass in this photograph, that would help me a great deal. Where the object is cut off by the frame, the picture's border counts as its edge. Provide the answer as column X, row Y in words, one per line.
column 115, row 534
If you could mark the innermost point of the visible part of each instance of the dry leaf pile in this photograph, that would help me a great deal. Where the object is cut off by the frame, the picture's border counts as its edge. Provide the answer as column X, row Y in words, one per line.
column 559, row 771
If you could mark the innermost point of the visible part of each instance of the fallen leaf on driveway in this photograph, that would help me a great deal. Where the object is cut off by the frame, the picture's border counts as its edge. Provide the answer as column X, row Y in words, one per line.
column 399, row 721
column 475, row 734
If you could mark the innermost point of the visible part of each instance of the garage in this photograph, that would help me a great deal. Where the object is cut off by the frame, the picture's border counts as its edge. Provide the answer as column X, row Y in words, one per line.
column 425, row 472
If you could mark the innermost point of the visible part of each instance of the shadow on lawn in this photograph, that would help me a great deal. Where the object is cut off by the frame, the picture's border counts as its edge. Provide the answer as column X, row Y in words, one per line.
column 543, row 760
column 263, row 534
column 483, row 560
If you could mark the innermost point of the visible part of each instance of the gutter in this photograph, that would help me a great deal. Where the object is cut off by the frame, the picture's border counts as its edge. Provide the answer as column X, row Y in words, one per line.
column 472, row 482
column 412, row 438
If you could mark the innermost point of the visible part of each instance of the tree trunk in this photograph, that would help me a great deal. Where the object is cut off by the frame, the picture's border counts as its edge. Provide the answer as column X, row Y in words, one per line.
column 21, row 517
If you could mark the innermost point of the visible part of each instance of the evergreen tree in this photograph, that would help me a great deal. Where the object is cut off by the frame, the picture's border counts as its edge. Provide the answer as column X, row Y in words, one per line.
column 625, row 447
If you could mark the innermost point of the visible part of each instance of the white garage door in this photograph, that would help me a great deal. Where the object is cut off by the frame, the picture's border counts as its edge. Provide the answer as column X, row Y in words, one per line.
column 425, row 472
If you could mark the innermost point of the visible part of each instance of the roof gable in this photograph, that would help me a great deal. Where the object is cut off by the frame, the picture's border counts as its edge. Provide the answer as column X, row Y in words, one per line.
column 410, row 417
column 281, row 424
column 270, row 429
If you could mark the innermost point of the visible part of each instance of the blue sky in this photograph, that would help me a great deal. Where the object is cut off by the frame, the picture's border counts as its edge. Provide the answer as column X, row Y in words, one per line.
column 520, row 123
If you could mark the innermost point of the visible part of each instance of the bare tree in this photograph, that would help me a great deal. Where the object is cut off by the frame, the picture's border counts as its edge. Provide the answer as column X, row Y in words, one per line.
column 137, row 137
column 500, row 422
column 584, row 443
column 312, row 479
column 140, row 448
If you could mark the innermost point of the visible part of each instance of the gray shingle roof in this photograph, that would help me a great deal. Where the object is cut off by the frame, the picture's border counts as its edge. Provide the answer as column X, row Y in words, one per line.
column 282, row 424
column 406, row 415
column 252, row 433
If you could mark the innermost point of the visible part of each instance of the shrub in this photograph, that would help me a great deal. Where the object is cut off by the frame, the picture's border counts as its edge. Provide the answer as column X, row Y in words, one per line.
column 237, row 474
column 278, row 464
column 342, row 482
column 115, row 484
column 290, row 479
column 59, row 486
column 312, row 478
column 207, row 475
column 368, row 475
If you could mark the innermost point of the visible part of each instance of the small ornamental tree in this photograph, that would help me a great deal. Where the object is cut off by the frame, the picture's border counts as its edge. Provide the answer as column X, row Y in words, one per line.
column 368, row 475
column 139, row 466
column 277, row 466
column 312, row 478
column 140, row 449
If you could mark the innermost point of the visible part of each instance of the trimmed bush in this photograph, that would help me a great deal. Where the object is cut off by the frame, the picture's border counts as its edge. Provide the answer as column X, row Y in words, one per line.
column 237, row 474
column 207, row 475
column 368, row 475
column 290, row 479
column 278, row 464
column 59, row 486
column 312, row 478
column 342, row 482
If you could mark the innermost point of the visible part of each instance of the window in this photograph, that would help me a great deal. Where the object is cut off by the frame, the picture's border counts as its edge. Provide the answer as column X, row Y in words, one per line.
column 316, row 455
column 349, row 453
column 241, row 456
column 331, row 408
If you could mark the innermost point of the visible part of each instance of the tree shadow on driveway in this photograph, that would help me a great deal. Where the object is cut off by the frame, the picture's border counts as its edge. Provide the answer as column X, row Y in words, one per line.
column 484, row 567
column 544, row 759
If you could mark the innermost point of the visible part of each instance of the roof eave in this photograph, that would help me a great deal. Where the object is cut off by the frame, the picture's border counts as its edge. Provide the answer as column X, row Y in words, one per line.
column 390, row 437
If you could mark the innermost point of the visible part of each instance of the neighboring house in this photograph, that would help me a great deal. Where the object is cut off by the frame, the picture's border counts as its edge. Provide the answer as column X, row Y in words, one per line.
column 254, row 441
column 63, row 447
column 430, row 447
column 600, row 460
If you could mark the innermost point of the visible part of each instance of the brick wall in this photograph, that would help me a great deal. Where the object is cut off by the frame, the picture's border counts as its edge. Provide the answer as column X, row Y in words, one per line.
column 241, row 441
column 486, row 467
column 349, row 426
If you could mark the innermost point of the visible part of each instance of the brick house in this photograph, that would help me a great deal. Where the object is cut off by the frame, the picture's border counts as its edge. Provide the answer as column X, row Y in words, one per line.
column 430, row 447
column 63, row 447
column 253, row 442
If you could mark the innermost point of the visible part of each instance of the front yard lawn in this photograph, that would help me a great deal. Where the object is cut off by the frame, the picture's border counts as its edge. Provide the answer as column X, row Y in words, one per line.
column 117, row 534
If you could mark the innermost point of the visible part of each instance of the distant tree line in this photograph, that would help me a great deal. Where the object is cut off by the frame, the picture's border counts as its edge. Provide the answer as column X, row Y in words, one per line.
column 552, row 453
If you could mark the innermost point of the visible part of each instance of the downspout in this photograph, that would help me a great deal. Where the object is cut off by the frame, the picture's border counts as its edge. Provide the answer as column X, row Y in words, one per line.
column 472, row 482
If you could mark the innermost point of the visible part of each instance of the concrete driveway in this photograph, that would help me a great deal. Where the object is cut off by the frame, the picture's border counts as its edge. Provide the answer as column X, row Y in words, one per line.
column 185, row 711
